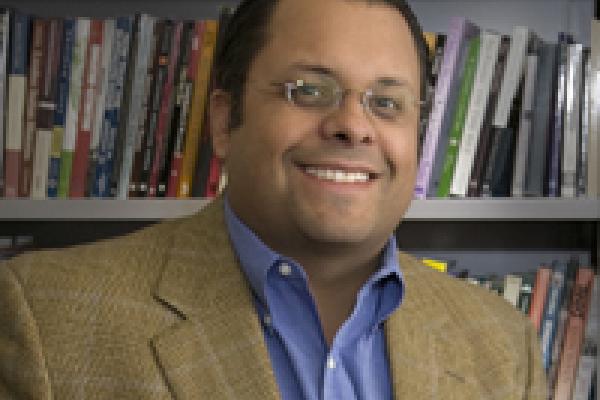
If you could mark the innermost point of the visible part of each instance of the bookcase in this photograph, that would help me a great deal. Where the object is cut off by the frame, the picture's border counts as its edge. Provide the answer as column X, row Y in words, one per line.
column 441, row 224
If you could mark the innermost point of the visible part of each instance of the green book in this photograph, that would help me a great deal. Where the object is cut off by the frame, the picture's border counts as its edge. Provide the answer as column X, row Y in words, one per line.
column 458, row 121
column 64, row 180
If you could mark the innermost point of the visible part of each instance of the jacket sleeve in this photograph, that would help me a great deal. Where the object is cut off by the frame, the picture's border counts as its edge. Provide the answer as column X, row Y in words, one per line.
column 23, row 373
column 536, row 383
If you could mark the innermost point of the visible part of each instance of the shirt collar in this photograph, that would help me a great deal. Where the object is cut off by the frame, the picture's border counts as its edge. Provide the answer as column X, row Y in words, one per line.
column 256, row 258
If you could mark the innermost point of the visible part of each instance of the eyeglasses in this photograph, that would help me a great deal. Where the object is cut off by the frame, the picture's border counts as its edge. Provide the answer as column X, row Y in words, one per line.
column 391, row 102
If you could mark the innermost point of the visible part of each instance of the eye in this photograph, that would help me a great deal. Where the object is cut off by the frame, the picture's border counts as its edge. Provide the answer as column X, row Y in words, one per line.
column 386, row 107
column 312, row 94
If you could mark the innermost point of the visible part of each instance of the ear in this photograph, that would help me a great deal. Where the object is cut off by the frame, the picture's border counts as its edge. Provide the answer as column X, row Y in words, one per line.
column 219, row 109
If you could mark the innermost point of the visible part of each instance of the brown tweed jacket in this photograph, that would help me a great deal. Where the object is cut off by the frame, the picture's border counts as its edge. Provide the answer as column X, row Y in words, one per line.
column 165, row 313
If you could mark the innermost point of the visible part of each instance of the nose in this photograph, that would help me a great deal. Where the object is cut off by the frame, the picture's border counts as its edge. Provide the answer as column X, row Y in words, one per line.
column 349, row 123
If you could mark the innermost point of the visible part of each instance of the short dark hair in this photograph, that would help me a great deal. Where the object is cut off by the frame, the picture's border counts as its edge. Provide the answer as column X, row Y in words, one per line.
column 246, row 33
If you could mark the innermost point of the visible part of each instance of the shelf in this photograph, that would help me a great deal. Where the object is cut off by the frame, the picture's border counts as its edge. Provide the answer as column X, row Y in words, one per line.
column 525, row 209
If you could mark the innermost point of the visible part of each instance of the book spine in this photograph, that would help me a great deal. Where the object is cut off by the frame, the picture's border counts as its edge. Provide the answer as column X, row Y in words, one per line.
column 91, row 67
column 166, row 108
column 513, row 74
column 557, row 124
column 134, row 109
column 490, row 43
column 114, row 98
column 4, row 39
column 538, row 298
column 79, row 53
column 108, row 37
column 536, row 160
column 460, row 29
column 198, row 103
column 524, row 130
column 584, row 133
column 458, row 122
column 572, row 120
column 486, row 138
column 33, row 82
column 180, row 116
column 512, row 288
column 593, row 142
column 46, row 109
column 17, row 89
column 64, row 74
column 574, row 333
column 552, row 310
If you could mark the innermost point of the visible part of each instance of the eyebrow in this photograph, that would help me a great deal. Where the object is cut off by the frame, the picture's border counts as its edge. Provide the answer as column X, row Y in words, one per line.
column 323, row 70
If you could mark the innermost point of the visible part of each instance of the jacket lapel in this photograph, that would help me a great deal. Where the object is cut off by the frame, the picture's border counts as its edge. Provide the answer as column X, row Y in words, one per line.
column 216, row 350
column 429, row 358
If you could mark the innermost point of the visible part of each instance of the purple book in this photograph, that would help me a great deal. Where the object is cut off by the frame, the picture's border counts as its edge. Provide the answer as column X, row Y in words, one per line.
column 441, row 113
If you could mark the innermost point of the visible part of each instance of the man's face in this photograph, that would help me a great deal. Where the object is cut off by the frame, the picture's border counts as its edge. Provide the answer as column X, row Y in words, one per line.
column 285, row 162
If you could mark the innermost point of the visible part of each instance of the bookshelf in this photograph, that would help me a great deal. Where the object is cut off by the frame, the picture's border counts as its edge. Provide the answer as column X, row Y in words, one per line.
column 439, row 223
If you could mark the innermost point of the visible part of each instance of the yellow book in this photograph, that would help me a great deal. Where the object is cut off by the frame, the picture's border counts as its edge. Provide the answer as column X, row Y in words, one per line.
column 430, row 40
column 198, row 104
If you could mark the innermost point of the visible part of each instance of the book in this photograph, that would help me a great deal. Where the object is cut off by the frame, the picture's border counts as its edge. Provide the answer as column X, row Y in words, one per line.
column 112, row 110
column 486, row 138
column 589, row 354
column 524, row 130
column 46, row 107
column 496, row 181
column 78, row 60
column 460, row 113
column 87, row 106
column 578, row 310
column 536, row 160
column 490, row 45
column 512, row 288
column 460, row 31
column 198, row 103
column 584, row 131
column 140, row 61
column 166, row 108
column 17, row 89
column 39, row 37
column 108, row 39
column 552, row 307
column 593, row 142
column 64, row 74
column 538, row 297
column 571, row 144
column 557, row 119
column 431, row 40
column 4, row 53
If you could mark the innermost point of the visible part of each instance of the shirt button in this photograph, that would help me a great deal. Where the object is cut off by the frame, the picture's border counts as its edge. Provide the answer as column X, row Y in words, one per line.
column 330, row 363
column 285, row 269
column 267, row 320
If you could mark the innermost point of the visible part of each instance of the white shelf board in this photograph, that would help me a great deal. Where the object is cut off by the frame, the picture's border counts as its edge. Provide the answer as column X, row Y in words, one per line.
column 520, row 209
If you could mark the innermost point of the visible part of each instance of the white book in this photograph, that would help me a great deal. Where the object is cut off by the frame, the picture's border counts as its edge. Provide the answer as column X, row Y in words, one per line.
column 513, row 73
column 572, row 118
column 488, row 56
column 524, row 131
column 41, row 161
column 593, row 142
column 140, row 67
column 75, row 83
column 582, row 165
column 512, row 288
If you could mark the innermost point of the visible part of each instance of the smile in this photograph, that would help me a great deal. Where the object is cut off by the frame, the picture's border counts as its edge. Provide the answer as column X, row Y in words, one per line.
column 339, row 175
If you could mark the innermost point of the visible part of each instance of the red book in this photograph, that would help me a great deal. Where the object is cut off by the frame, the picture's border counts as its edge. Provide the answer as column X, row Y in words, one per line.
column 187, row 87
column 89, row 88
column 538, row 297
column 166, row 105
column 579, row 308
column 214, row 177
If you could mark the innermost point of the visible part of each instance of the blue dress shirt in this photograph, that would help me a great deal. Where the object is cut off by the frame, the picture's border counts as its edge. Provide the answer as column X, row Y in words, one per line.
column 356, row 365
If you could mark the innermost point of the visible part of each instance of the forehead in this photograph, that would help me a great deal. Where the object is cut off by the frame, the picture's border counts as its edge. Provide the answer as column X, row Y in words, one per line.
column 357, row 39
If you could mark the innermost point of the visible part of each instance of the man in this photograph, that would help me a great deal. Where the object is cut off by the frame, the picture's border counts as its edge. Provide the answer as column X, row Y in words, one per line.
column 288, row 287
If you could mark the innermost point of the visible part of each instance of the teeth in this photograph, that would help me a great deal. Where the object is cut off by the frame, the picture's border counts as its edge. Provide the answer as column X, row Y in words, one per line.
column 336, row 175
